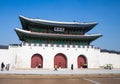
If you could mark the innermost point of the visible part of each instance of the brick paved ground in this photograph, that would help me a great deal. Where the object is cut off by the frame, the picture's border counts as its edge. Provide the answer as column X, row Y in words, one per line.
column 62, row 76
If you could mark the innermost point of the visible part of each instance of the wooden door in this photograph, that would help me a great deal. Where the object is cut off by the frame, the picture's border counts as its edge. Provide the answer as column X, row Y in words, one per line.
column 60, row 60
column 81, row 61
column 36, row 60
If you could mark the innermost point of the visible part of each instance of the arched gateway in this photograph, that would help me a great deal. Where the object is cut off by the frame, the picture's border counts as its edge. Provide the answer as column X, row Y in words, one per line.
column 82, row 62
column 36, row 61
column 60, row 60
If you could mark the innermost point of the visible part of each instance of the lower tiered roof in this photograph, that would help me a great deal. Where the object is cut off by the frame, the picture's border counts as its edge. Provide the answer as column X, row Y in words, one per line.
column 29, row 36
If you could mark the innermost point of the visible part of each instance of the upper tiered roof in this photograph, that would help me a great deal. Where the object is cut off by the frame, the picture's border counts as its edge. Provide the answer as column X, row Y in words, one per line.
column 26, row 22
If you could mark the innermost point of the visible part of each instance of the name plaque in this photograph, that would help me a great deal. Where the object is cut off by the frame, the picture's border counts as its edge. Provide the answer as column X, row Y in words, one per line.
column 59, row 29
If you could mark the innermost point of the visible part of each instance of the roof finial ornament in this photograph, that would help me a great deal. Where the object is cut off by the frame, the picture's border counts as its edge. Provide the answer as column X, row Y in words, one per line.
column 75, row 21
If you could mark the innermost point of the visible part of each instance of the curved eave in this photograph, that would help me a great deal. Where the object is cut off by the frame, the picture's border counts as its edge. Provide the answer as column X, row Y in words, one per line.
column 21, row 33
column 25, row 21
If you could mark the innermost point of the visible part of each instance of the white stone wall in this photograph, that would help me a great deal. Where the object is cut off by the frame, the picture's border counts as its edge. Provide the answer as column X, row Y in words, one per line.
column 110, row 58
column 48, row 53
column 7, row 56
column 20, row 56
column 4, row 56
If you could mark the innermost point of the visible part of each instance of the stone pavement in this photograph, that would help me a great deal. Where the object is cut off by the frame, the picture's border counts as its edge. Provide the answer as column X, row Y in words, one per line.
column 64, row 76
column 61, row 72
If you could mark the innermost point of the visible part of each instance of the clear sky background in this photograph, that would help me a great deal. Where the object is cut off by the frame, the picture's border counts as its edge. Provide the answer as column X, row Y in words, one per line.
column 105, row 12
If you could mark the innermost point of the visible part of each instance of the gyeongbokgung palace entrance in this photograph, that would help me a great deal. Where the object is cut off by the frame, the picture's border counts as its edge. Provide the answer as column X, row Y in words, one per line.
column 40, row 32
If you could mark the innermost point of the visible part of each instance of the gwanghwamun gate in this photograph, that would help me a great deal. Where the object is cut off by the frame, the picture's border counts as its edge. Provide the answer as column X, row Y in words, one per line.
column 48, row 44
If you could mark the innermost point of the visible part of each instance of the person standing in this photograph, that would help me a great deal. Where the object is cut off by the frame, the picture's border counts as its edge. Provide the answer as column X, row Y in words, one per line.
column 71, row 66
column 7, row 67
column 55, row 67
column 2, row 66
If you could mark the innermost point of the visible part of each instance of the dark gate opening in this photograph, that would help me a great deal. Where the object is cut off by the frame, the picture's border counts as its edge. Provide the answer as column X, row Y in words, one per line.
column 36, row 61
column 60, row 61
column 82, row 62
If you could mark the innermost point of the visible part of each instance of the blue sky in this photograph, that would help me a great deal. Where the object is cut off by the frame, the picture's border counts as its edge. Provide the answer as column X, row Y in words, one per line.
column 105, row 12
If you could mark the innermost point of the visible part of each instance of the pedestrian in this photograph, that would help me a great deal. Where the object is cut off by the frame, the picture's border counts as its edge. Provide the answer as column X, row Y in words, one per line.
column 2, row 66
column 71, row 66
column 55, row 67
column 39, row 66
column 7, row 67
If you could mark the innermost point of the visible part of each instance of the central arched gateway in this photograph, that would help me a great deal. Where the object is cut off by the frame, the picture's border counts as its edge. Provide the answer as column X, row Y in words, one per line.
column 82, row 62
column 60, row 60
column 36, row 61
